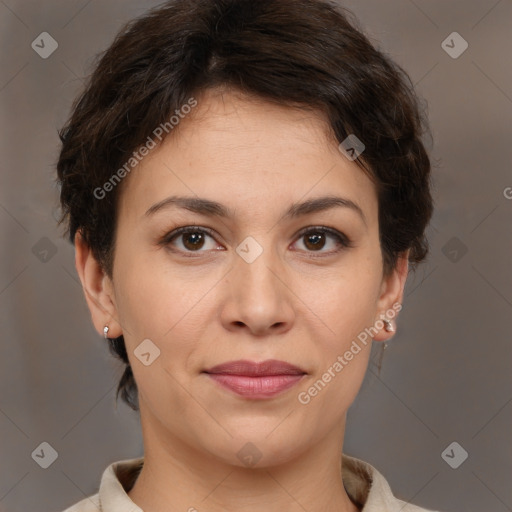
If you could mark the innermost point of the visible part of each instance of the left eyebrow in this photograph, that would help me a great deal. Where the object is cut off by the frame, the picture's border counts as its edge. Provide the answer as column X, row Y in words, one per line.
column 211, row 208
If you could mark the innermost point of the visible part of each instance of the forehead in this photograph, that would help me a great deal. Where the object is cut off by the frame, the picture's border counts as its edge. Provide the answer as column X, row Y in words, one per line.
column 245, row 152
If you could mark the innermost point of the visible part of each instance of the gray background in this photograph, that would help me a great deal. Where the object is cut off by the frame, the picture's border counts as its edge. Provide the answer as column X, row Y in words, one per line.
column 445, row 376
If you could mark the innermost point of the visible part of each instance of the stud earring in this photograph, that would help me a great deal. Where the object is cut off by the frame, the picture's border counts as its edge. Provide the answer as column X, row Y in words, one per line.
column 105, row 331
column 388, row 326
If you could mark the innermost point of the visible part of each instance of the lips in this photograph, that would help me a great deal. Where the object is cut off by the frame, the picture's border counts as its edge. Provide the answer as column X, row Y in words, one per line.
column 256, row 380
column 254, row 369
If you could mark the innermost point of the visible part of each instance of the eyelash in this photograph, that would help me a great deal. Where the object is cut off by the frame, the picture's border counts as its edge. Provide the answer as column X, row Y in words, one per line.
column 341, row 239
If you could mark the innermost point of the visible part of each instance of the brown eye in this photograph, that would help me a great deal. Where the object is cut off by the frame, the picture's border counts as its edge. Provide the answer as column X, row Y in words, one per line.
column 189, row 239
column 316, row 239
column 193, row 240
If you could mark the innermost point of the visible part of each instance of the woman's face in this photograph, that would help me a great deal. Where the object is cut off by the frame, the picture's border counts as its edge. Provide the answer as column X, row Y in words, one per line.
column 261, row 282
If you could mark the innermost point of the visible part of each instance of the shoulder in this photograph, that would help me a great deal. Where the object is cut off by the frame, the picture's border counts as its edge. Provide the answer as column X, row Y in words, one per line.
column 370, row 490
column 89, row 504
column 112, row 495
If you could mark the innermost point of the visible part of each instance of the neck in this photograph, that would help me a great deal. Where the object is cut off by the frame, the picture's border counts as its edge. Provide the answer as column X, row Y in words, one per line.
column 179, row 476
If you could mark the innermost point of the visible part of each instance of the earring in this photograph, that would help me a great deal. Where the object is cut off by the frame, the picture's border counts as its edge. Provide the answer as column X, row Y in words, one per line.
column 388, row 326
column 105, row 331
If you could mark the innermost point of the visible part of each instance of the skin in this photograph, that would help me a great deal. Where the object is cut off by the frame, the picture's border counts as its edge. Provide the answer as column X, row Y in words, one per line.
column 289, row 304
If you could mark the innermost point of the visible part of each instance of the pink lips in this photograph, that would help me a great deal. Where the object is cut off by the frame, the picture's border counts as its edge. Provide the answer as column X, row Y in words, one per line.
column 256, row 380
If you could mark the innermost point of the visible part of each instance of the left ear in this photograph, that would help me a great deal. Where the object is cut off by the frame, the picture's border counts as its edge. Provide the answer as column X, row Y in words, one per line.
column 391, row 294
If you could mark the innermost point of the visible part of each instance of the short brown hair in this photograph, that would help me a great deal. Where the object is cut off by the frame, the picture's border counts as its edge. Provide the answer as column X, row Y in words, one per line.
column 309, row 54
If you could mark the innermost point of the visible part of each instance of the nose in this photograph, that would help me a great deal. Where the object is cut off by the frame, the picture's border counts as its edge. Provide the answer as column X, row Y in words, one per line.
column 258, row 298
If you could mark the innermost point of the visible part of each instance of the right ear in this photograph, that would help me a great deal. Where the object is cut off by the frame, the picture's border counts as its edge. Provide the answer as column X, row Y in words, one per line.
column 98, row 289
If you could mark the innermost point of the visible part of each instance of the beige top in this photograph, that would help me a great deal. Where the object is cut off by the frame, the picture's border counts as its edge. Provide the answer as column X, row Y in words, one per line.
column 363, row 483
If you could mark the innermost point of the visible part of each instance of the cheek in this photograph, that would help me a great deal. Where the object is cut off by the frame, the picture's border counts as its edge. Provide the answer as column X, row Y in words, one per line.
column 154, row 298
column 164, row 309
column 345, row 300
column 167, row 308
column 346, row 304
column 342, row 350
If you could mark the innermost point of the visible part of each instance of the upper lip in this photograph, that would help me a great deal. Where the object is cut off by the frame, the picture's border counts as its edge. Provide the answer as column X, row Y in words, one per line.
column 254, row 369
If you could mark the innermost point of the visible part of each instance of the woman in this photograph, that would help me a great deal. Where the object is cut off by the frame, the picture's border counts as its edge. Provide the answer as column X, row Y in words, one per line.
column 246, row 186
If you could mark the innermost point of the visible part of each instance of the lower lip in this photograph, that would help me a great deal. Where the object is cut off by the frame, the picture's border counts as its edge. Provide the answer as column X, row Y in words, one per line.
column 256, row 387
